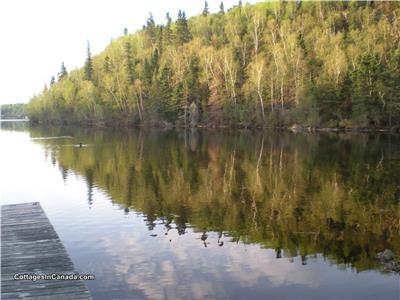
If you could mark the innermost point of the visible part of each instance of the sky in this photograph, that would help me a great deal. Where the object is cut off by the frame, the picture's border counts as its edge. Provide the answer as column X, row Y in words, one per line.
column 37, row 36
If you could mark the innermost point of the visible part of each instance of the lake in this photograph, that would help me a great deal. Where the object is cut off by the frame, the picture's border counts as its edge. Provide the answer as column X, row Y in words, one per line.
column 200, row 214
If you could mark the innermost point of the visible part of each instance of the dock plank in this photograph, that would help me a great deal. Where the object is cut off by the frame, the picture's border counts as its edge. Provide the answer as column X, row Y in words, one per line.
column 30, row 245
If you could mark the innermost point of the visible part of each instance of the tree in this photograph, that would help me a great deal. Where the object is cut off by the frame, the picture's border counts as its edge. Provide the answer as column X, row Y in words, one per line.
column 106, row 64
column 368, row 79
column 129, row 65
column 168, row 107
column 392, row 80
column 88, row 64
column 147, row 72
column 155, row 61
column 168, row 35
column 150, row 29
column 205, row 10
column 125, row 31
column 182, row 30
column 63, row 72
column 178, row 101
column 221, row 8
column 269, row 60
column 52, row 80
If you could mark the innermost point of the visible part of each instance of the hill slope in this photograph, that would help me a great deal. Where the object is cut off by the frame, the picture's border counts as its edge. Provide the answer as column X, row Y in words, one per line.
column 270, row 64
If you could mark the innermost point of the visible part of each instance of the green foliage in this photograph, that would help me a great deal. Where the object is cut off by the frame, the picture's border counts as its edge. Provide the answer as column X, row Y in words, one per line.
column 88, row 64
column 182, row 32
column 52, row 80
column 205, row 10
column 129, row 64
column 13, row 111
column 271, row 63
column 63, row 72
column 221, row 8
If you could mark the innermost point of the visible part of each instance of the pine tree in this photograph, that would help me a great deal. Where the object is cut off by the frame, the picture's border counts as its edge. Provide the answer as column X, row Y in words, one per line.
column 367, row 83
column 193, row 79
column 160, row 38
column 147, row 72
column 165, row 82
column 392, row 89
column 182, row 30
column 221, row 8
column 63, row 72
column 205, row 10
column 125, row 31
column 129, row 65
column 52, row 80
column 178, row 101
column 168, row 35
column 88, row 64
column 107, row 65
column 167, row 107
column 154, row 61
column 150, row 29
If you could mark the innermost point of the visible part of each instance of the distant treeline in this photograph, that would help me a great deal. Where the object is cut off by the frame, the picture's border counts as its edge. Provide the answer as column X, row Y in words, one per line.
column 318, row 64
column 13, row 111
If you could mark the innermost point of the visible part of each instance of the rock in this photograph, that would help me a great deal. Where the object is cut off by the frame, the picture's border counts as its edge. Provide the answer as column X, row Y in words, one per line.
column 393, row 266
column 386, row 255
column 296, row 128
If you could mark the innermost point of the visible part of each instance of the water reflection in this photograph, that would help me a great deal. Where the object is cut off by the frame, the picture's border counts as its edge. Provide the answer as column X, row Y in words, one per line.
column 299, row 195
column 185, row 215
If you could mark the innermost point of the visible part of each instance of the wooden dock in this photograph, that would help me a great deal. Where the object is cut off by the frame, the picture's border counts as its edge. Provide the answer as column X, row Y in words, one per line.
column 30, row 245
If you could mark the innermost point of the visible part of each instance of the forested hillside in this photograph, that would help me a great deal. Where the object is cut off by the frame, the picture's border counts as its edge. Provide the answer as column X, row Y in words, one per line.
column 318, row 64
column 13, row 111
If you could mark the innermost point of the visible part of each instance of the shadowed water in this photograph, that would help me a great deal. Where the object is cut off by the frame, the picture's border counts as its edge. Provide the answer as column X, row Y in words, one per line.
column 198, row 214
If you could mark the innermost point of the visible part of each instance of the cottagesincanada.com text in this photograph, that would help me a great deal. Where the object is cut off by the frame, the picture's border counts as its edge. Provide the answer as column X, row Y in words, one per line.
column 53, row 276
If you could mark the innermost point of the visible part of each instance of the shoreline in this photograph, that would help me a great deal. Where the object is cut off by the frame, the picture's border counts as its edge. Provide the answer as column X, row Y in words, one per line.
column 296, row 128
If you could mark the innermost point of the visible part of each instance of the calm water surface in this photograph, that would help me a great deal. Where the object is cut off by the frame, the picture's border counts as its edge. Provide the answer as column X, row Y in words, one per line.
column 214, row 215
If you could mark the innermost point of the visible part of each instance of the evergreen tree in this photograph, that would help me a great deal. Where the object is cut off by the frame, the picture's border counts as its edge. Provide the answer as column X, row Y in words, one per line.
column 88, row 64
column 221, row 8
column 129, row 65
column 165, row 82
column 167, row 108
column 178, row 101
column 52, row 80
column 154, row 61
column 205, row 10
column 125, row 31
column 160, row 38
column 391, row 77
column 168, row 35
column 193, row 79
column 107, row 64
column 368, row 82
column 150, row 29
column 182, row 30
column 147, row 72
column 63, row 72
column 353, row 75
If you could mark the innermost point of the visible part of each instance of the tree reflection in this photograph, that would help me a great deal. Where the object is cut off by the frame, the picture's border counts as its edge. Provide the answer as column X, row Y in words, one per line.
column 298, row 194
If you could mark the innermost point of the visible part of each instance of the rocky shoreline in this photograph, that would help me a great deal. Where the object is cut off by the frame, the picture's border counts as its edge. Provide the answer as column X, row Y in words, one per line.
column 295, row 128
column 389, row 261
